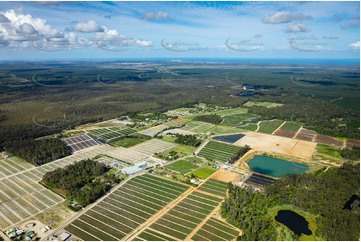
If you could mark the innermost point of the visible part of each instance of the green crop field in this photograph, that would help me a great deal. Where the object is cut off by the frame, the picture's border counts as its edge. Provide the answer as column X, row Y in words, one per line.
column 215, row 187
column 197, row 126
column 262, row 104
column 215, row 229
column 203, row 172
column 181, row 166
column 269, row 126
column 109, row 134
column 223, row 129
column 250, row 127
column 218, row 151
column 291, row 126
column 231, row 111
column 183, row 218
column 130, row 141
column 126, row 208
column 238, row 119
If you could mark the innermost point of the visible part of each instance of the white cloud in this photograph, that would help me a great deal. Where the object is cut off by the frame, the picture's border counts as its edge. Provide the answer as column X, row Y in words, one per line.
column 156, row 16
column 296, row 28
column 285, row 17
column 18, row 27
column 107, row 34
column 88, row 27
column 355, row 45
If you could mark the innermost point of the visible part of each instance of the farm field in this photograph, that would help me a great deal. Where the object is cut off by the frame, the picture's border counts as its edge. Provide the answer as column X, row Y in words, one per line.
column 141, row 151
column 130, row 141
column 12, row 165
column 21, row 195
column 181, row 166
column 250, row 127
column 215, row 230
column 152, row 131
column 204, row 172
column 224, row 129
column 182, row 150
column 269, row 126
column 197, row 126
column 217, row 151
column 291, row 126
column 108, row 134
column 231, row 111
column 238, row 119
column 126, row 208
column 177, row 122
column 214, row 187
column 179, row 222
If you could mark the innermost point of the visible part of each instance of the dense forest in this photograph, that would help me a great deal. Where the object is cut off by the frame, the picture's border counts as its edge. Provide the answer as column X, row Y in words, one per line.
column 38, row 152
column 84, row 181
column 323, row 117
column 352, row 154
column 210, row 118
column 323, row 195
column 190, row 140
column 20, row 140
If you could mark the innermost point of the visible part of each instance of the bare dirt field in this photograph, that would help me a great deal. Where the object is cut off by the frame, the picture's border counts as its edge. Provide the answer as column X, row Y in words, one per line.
column 226, row 176
column 282, row 145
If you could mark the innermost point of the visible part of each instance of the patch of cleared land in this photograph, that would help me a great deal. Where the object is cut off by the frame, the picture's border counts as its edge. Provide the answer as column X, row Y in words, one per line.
column 152, row 131
column 277, row 144
column 141, row 151
column 262, row 104
column 197, row 126
column 226, row 176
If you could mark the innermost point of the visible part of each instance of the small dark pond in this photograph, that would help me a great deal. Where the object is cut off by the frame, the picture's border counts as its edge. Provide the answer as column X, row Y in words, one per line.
column 294, row 222
column 349, row 204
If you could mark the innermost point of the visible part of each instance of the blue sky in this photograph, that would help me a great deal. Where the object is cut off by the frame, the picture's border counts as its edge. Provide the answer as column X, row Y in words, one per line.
column 108, row 30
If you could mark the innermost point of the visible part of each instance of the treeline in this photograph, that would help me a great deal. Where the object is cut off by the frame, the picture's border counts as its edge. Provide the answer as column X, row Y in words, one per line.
column 239, row 154
column 352, row 154
column 38, row 152
column 20, row 140
column 210, row 118
column 323, row 195
column 323, row 117
column 190, row 140
column 85, row 181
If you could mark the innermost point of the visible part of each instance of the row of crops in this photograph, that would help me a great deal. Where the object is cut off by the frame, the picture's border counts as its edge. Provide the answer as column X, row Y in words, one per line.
column 214, row 187
column 219, row 151
column 183, row 218
column 126, row 208
column 108, row 134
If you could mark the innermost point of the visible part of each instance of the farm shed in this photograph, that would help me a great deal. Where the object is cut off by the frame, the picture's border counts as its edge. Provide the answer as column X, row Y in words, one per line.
column 134, row 169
